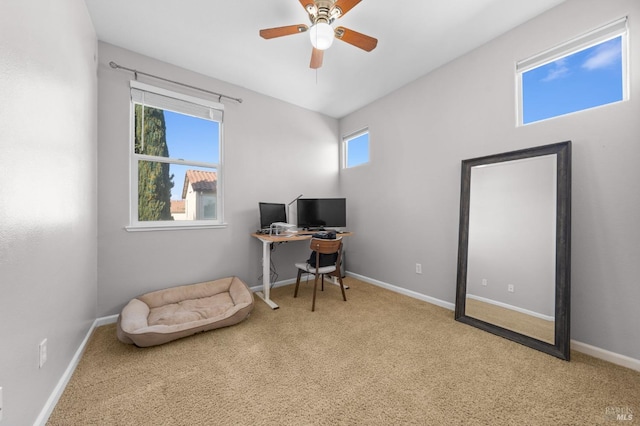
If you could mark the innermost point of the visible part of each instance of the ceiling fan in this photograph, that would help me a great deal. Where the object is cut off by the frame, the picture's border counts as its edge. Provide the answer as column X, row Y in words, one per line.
column 322, row 13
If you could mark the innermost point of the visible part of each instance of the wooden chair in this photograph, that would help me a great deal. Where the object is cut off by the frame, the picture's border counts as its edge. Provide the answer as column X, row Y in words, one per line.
column 322, row 246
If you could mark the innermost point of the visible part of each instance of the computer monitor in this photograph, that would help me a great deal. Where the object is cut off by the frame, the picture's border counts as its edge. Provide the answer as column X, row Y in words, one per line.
column 271, row 213
column 322, row 213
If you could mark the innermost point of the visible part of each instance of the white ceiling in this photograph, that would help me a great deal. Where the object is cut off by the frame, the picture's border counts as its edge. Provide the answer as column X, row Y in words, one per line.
column 219, row 38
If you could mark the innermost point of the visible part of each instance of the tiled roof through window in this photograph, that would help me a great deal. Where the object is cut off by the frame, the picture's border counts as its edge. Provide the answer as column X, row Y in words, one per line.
column 177, row 206
column 200, row 181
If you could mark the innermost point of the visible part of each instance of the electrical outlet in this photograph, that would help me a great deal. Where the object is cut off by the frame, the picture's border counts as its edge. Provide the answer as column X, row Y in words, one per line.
column 510, row 288
column 43, row 353
column 418, row 268
column 484, row 282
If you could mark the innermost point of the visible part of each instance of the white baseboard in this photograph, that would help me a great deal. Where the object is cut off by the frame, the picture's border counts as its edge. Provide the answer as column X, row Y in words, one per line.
column 606, row 355
column 276, row 284
column 510, row 307
column 66, row 376
column 111, row 319
column 410, row 293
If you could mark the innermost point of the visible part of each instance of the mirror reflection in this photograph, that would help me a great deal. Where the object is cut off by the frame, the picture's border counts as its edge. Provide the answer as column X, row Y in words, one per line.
column 511, row 252
column 514, row 246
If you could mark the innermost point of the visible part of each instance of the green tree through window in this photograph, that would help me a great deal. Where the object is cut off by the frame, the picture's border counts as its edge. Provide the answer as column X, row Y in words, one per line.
column 154, row 180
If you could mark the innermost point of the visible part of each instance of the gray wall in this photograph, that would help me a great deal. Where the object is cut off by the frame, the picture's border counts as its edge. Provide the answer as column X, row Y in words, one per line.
column 48, row 225
column 273, row 152
column 420, row 133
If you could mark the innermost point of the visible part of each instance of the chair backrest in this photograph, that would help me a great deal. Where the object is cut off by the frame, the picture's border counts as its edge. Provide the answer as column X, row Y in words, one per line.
column 323, row 246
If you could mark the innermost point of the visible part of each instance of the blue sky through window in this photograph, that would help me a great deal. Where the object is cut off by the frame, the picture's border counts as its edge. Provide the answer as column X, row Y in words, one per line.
column 357, row 150
column 582, row 80
column 190, row 138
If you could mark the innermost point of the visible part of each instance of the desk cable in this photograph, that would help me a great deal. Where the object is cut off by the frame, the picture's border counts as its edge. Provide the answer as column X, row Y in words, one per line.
column 274, row 273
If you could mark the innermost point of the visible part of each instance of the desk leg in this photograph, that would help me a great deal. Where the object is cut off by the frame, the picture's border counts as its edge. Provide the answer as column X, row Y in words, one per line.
column 266, row 276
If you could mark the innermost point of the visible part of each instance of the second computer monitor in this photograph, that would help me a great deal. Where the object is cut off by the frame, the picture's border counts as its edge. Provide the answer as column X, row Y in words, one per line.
column 322, row 213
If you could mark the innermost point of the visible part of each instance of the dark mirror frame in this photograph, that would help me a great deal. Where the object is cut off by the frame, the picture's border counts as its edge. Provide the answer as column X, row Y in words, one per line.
column 561, row 346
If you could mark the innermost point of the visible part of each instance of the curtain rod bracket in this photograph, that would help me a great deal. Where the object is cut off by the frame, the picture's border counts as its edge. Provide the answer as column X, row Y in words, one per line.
column 136, row 72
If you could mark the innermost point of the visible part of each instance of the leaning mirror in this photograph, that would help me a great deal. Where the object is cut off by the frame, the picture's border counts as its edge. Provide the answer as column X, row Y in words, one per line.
column 514, row 253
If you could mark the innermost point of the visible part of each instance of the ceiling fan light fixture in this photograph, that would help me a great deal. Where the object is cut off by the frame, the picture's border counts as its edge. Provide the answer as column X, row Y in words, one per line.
column 321, row 35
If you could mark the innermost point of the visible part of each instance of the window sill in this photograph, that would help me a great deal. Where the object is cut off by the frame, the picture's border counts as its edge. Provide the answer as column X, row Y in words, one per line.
column 173, row 227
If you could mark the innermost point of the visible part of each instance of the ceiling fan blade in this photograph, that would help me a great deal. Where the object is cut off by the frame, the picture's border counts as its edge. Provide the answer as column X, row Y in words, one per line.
column 356, row 39
column 283, row 31
column 316, row 58
column 307, row 3
column 344, row 5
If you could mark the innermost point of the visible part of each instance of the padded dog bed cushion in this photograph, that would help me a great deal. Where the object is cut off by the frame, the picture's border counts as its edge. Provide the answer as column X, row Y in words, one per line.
column 165, row 315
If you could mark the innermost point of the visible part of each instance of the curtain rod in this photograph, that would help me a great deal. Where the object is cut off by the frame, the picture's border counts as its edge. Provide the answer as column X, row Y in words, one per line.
column 136, row 72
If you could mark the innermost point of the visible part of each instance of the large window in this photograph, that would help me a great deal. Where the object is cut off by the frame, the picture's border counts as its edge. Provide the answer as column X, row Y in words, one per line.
column 355, row 149
column 176, row 160
column 586, row 72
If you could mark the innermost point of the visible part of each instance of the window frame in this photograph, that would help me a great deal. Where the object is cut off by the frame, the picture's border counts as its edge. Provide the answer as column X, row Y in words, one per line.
column 134, row 158
column 614, row 29
column 345, row 147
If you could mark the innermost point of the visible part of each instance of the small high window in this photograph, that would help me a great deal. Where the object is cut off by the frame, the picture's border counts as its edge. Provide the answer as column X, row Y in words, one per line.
column 586, row 72
column 355, row 148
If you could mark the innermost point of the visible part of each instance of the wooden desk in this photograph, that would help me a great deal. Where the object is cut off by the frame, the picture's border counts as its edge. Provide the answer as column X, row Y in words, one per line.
column 266, row 258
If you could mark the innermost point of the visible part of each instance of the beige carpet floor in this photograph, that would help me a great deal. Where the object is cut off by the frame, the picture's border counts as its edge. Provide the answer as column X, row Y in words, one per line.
column 378, row 359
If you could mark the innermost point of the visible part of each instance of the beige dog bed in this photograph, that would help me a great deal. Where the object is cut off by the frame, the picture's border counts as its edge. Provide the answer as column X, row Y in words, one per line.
column 165, row 315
